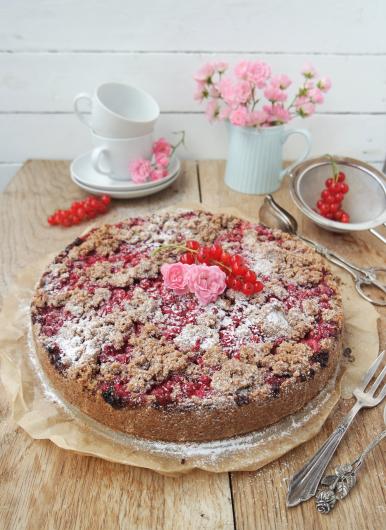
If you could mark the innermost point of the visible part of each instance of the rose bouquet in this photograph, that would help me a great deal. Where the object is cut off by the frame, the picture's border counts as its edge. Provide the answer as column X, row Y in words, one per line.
column 253, row 97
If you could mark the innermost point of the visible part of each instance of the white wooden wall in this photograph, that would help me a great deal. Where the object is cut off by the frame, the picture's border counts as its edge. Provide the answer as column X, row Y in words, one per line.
column 52, row 49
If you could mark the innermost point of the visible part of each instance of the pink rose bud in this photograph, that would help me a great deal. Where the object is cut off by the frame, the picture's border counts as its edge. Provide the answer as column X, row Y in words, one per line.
column 176, row 277
column 207, row 283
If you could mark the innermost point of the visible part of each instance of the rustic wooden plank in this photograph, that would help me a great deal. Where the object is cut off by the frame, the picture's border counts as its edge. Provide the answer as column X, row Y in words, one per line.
column 42, row 486
column 259, row 498
column 63, row 136
column 244, row 26
column 34, row 85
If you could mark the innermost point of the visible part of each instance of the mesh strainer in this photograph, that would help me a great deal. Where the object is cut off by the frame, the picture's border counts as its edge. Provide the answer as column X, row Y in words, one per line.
column 365, row 202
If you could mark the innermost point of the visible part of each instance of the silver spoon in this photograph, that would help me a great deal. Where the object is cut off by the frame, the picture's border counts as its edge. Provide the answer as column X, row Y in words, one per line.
column 274, row 216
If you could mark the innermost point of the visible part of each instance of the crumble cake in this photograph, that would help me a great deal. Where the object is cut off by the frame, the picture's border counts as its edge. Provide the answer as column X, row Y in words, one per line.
column 140, row 359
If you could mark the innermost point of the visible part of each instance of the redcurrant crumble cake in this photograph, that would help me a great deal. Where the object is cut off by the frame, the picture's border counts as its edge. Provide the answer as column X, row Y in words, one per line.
column 137, row 357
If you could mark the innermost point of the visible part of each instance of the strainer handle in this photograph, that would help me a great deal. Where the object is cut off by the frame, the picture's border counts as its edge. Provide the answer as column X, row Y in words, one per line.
column 378, row 235
column 306, row 152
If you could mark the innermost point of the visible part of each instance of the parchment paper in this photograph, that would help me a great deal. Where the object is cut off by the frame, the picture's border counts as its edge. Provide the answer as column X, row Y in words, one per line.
column 44, row 415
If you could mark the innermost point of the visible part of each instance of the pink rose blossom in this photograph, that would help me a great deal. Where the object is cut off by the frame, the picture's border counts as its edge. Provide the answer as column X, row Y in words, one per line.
column 308, row 71
column 309, row 84
column 324, row 84
column 227, row 91
column 156, row 174
column 258, row 73
column 165, row 172
column 162, row 160
column 207, row 283
column 205, row 72
column 242, row 92
column 212, row 110
column 316, row 95
column 257, row 118
column 275, row 94
column 162, row 147
column 280, row 114
column 201, row 93
column 221, row 66
column 176, row 277
column 281, row 81
column 239, row 116
column 241, row 69
column 304, row 106
column 214, row 91
column 140, row 170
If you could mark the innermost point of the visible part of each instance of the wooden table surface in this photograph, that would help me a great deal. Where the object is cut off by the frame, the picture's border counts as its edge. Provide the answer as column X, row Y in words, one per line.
column 42, row 486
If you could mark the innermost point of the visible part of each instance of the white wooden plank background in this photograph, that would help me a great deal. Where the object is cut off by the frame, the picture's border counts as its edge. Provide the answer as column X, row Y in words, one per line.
column 52, row 49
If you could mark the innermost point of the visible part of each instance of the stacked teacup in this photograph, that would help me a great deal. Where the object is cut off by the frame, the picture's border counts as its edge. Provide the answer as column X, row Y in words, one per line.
column 121, row 120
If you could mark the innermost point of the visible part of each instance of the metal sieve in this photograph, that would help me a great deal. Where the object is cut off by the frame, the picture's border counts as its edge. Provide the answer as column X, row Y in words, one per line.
column 365, row 202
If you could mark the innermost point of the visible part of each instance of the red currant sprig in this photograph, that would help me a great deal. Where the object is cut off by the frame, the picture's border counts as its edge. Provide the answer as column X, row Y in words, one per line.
column 239, row 276
column 80, row 210
column 330, row 203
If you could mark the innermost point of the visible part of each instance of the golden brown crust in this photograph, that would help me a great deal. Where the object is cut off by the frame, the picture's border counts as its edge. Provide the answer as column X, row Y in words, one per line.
column 196, row 425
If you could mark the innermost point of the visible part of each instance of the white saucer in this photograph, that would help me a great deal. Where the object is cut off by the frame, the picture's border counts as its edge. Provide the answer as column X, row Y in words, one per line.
column 133, row 193
column 83, row 172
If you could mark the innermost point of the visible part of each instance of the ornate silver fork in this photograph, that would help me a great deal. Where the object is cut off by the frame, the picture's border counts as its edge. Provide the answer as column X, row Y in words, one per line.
column 304, row 483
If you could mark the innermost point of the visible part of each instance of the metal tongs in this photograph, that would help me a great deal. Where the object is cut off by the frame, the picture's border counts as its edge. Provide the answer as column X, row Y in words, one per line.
column 274, row 216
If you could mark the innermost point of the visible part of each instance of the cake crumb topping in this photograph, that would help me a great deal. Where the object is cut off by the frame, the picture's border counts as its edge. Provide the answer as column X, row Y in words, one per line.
column 103, row 315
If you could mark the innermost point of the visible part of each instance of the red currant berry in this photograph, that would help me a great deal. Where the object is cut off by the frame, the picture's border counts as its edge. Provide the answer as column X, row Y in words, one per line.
column 76, row 219
column 331, row 198
column 338, row 215
column 106, row 199
column 329, row 215
column 343, row 187
column 67, row 221
column 225, row 259
column 319, row 204
column 258, row 286
column 329, row 183
column 215, row 252
column 325, row 208
column 230, row 281
column 192, row 244
column 237, row 259
column 248, row 288
column 187, row 258
column 325, row 194
column 334, row 188
column 334, row 207
column 102, row 207
column 341, row 176
column 80, row 212
column 250, row 276
column 203, row 255
column 52, row 220
column 345, row 218
column 238, row 284
column 339, row 197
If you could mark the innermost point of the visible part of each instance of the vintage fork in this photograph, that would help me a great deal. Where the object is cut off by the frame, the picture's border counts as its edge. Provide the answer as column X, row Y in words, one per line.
column 304, row 483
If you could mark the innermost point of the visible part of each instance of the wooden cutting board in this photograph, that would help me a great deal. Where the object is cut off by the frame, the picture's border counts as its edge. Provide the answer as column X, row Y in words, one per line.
column 44, row 487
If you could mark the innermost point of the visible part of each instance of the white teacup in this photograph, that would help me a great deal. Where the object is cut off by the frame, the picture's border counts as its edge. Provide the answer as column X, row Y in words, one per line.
column 119, row 111
column 112, row 156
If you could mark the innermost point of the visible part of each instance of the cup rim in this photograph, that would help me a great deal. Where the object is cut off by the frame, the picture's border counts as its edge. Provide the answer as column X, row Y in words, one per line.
column 140, row 90
column 115, row 139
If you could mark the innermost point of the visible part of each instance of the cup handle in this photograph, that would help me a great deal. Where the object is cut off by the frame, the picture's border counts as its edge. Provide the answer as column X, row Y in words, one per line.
column 78, row 112
column 306, row 152
column 96, row 158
